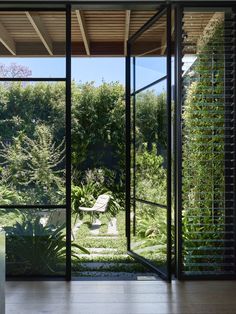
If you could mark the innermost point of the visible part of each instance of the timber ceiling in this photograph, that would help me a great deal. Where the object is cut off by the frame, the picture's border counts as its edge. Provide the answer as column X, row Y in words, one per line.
column 94, row 33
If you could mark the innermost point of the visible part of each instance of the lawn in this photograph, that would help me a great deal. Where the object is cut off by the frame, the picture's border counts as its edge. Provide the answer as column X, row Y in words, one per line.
column 108, row 253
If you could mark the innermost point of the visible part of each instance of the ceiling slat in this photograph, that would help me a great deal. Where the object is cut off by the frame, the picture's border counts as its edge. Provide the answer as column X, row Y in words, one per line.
column 40, row 29
column 7, row 40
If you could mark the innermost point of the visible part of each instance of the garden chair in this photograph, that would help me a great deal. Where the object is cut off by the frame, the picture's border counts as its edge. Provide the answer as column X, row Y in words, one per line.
column 100, row 206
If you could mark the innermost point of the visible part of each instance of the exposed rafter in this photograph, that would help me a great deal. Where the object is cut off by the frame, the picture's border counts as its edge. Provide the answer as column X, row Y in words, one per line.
column 127, row 27
column 6, row 40
column 84, row 33
column 40, row 29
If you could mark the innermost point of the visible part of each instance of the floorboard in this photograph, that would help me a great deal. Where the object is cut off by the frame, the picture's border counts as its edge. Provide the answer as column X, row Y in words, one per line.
column 121, row 297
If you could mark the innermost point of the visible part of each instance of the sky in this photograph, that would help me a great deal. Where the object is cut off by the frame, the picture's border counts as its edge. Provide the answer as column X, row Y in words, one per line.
column 148, row 69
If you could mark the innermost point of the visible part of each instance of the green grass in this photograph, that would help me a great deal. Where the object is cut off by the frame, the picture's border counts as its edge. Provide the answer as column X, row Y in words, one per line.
column 117, row 261
column 113, row 261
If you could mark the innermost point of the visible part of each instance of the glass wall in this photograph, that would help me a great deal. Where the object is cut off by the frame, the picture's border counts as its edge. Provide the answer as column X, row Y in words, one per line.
column 208, row 142
column 32, row 143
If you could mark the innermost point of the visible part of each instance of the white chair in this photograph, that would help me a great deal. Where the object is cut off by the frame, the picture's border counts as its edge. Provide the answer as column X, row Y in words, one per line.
column 100, row 206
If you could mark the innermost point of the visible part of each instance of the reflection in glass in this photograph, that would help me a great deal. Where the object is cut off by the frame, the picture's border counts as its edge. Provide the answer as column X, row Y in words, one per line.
column 150, row 239
column 151, row 144
column 150, row 54
column 35, row 241
column 149, row 69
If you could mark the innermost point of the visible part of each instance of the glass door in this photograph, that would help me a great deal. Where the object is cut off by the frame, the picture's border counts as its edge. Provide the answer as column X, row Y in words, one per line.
column 148, row 151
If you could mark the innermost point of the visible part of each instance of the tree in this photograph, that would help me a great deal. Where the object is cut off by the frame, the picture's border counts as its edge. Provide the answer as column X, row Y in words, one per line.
column 14, row 70
column 98, row 127
column 151, row 120
column 22, row 107
column 35, row 167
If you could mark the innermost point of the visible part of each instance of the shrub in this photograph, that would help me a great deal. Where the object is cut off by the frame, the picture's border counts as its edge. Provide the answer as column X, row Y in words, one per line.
column 36, row 249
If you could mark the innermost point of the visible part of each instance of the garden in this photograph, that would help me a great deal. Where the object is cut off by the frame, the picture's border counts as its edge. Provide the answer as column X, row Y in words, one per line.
column 32, row 172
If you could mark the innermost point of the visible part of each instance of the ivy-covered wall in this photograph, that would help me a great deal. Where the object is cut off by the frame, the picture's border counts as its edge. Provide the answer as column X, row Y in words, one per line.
column 204, row 124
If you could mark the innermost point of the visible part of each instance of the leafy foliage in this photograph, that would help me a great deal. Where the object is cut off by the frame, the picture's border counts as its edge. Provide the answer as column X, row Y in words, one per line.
column 98, row 128
column 23, row 107
column 34, row 167
column 87, row 193
column 203, row 149
column 151, row 182
column 151, row 120
column 33, row 248
column 32, row 128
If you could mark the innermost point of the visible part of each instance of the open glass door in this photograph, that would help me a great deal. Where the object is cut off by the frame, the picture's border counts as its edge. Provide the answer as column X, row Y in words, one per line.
column 148, row 151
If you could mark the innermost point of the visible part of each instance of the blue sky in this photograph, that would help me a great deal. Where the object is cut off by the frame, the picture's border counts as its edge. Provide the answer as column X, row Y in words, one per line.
column 94, row 69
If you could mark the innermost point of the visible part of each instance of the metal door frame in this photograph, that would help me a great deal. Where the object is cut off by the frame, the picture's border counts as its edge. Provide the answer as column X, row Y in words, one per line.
column 164, row 10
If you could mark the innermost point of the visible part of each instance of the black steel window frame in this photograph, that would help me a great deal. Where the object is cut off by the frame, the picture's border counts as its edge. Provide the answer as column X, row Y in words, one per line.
column 179, row 10
column 130, row 141
column 66, row 8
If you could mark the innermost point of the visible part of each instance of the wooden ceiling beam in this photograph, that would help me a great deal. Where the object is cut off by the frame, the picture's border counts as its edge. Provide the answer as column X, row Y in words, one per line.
column 7, row 40
column 97, row 48
column 40, row 29
column 84, row 33
column 127, row 29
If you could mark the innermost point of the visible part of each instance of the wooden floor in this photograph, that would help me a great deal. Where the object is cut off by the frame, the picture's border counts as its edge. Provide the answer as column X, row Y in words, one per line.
column 121, row 297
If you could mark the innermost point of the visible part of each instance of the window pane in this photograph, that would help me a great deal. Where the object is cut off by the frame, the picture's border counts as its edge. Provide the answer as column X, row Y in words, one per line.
column 149, row 50
column 149, row 69
column 35, row 241
column 38, row 36
column 151, row 144
column 32, row 143
column 149, row 238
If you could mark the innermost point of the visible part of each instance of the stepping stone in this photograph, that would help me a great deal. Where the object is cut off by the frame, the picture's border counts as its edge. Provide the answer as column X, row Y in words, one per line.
column 77, row 226
column 100, row 249
column 103, row 237
column 94, row 255
column 99, row 265
column 146, row 278
column 153, row 248
column 137, row 244
column 90, row 275
column 94, row 230
column 112, row 227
